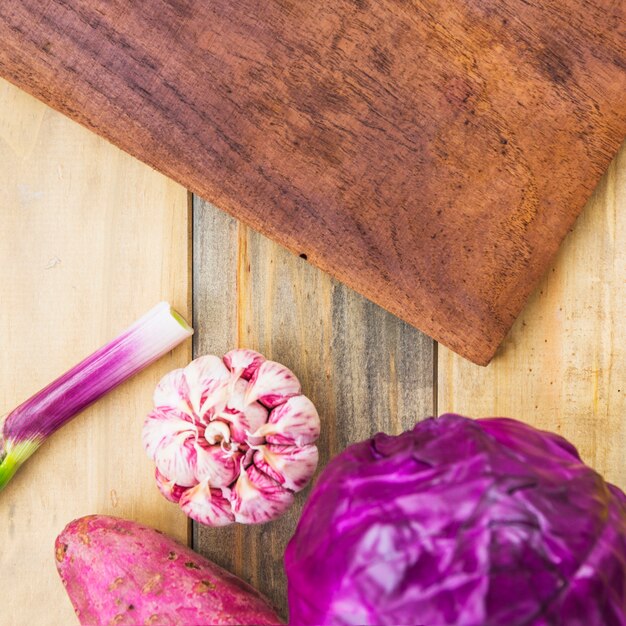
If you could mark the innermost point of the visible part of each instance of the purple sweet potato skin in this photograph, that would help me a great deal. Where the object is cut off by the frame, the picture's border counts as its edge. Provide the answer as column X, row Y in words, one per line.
column 120, row 572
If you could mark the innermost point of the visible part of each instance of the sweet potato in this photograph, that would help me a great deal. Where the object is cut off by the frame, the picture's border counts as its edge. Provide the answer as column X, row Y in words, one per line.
column 119, row 572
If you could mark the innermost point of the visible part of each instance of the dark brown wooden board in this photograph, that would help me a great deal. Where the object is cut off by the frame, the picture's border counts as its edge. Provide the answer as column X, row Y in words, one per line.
column 431, row 155
column 365, row 370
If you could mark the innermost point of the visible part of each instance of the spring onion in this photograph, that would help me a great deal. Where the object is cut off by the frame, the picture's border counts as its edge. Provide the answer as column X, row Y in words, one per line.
column 25, row 428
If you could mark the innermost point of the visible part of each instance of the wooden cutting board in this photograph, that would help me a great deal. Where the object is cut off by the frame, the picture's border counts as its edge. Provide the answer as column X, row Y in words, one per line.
column 432, row 155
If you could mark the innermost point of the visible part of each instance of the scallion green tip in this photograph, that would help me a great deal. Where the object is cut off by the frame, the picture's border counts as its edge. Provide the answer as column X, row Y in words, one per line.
column 14, row 458
column 8, row 467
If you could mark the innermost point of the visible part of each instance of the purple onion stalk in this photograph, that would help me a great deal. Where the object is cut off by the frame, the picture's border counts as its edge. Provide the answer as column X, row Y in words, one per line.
column 25, row 428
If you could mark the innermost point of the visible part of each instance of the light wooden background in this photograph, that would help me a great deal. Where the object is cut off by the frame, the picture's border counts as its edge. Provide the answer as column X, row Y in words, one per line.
column 90, row 239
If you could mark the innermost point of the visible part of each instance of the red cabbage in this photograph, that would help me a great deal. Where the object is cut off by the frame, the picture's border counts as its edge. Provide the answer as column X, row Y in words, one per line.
column 470, row 522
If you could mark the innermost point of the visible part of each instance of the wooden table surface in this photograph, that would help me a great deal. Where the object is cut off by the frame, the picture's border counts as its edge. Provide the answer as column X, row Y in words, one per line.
column 91, row 238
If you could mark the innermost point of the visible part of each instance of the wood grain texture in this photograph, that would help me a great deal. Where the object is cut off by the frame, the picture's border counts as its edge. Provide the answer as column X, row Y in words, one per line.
column 90, row 239
column 364, row 369
column 564, row 366
column 430, row 154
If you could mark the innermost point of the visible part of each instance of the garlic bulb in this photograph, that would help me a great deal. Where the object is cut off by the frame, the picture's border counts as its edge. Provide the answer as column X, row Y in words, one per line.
column 232, row 439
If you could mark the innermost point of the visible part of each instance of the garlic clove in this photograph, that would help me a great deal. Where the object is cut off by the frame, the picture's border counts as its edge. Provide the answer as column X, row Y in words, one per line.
column 290, row 466
column 177, row 459
column 206, row 505
column 172, row 394
column 217, row 465
column 169, row 442
column 294, row 422
column 256, row 498
column 272, row 384
column 170, row 490
column 243, row 418
column 243, row 363
column 207, row 380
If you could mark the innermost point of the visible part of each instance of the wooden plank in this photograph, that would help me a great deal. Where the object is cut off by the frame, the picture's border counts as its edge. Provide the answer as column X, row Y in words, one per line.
column 90, row 239
column 432, row 155
column 364, row 369
column 563, row 366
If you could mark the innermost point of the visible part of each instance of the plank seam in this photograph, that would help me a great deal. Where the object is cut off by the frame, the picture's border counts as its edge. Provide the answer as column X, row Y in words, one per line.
column 435, row 378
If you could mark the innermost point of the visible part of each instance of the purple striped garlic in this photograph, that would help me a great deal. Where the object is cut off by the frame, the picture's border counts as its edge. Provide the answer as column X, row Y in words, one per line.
column 232, row 439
